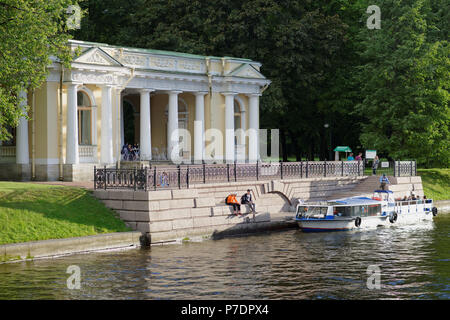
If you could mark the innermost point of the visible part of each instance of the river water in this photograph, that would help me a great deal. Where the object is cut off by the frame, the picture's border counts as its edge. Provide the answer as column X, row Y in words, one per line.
column 414, row 262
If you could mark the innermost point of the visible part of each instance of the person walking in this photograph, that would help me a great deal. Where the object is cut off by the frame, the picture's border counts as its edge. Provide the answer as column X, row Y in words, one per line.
column 383, row 181
column 359, row 157
column 375, row 163
column 124, row 152
column 350, row 157
column 164, row 180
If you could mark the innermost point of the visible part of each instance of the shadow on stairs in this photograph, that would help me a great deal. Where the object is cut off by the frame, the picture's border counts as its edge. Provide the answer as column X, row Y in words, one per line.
column 364, row 188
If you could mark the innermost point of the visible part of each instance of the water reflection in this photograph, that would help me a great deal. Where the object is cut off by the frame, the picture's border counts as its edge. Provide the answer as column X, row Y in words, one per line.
column 414, row 262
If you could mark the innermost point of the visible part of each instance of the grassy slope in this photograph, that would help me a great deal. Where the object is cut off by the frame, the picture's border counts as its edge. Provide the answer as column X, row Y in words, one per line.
column 436, row 183
column 30, row 212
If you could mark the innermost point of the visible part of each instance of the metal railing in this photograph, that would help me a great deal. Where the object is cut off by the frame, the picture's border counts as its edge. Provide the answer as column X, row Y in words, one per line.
column 7, row 151
column 392, row 168
column 405, row 168
column 181, row 176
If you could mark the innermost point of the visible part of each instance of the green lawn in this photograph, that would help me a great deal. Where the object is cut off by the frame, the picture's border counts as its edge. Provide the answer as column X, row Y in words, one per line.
column 30, row 212
column 436, row 183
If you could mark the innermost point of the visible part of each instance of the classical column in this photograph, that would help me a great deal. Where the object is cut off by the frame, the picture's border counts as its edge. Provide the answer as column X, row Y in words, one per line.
column 199, row 127
column 72, row 156
column 229, row 127
column 253, row 154
column 119, row 123
column 106, row 127
column 172, row 127
column 145, row 142
column 122, row 123
column 22, row 156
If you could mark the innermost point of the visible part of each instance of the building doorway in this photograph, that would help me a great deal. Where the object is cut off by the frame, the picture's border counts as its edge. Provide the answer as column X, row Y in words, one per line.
column 129, row 119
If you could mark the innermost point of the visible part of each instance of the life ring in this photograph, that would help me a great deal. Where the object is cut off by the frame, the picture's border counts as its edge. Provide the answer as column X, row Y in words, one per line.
column 393, row 217
column 357, row 222
column 435, row 211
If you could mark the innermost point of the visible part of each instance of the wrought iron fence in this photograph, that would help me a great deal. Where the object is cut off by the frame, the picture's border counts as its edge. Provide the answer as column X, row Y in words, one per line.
column 391, row 168
column 154, row 178
column 405, row 168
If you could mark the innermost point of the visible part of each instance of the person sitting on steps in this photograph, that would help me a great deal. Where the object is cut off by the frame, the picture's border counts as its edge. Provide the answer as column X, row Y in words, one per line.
column 232, row 201
column 247, row 199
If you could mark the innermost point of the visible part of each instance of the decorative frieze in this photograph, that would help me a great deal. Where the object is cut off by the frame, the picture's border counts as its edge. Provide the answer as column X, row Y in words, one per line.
column 162, row 63
column 134, row 60
column 192, row 65
column 92, row 78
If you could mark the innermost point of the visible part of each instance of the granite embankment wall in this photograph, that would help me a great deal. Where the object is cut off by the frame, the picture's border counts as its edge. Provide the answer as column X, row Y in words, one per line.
column 200, row 210
column 59, row 247
column 443, row 206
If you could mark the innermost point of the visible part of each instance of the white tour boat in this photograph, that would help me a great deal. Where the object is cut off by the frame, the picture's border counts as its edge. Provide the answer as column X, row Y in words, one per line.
column 362, row 212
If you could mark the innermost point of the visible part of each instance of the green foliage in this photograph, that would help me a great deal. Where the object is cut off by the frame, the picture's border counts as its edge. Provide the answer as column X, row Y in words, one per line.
column 436, row 183
column 30, row 32
column 404, row 78
column 30, row 212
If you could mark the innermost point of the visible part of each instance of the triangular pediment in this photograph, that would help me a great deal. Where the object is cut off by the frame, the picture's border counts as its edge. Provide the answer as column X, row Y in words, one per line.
column 97, row 56
column 246, row 71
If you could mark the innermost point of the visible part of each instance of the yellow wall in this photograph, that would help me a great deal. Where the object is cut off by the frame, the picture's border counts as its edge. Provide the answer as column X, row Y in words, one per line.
column 217, row 121
column 46, row 115
column 158, row 103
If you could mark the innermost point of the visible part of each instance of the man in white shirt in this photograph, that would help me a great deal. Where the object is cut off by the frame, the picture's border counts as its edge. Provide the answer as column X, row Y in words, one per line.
column 247, row 199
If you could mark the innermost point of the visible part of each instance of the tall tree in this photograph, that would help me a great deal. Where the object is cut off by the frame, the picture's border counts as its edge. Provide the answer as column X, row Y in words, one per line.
column 404, row 84
column 30, row 32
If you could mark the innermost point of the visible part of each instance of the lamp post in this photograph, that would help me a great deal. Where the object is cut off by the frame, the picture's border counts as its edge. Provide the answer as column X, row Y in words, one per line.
column 326, row 126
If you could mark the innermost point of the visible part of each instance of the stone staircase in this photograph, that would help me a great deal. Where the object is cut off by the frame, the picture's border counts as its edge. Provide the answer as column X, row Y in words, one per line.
column 401, row 186
column 364, row 188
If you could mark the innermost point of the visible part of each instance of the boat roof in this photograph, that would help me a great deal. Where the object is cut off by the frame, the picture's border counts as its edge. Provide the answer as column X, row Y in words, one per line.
column 357, row 201
column 383, row 191
column 354, row 201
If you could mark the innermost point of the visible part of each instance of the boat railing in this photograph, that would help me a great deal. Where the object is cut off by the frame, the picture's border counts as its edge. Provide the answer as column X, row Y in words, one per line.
column 413, row 205
column 409, row 202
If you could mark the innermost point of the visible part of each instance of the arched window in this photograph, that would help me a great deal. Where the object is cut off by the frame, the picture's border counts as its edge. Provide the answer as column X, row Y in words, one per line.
column 239, row 123
column 84, row 119
column 237, row 115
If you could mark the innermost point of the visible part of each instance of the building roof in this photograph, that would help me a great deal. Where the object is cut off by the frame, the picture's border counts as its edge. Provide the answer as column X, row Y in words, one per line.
column 343, row 149
column 154, row 51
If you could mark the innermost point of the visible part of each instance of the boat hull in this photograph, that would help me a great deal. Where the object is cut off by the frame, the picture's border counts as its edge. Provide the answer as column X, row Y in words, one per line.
column 328, row 225
column 319, row 225
column 413, row 218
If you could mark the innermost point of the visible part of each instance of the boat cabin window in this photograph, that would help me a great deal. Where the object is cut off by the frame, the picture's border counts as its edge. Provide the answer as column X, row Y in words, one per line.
column 374, row 209
column 313, row 212
column 357, row 211
column 342, row 211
